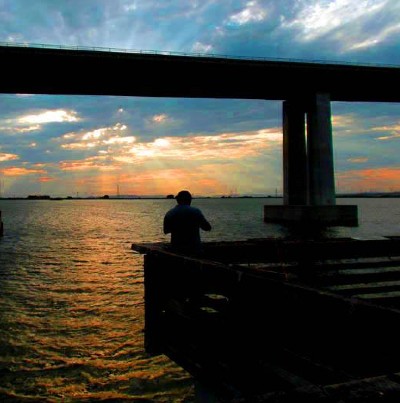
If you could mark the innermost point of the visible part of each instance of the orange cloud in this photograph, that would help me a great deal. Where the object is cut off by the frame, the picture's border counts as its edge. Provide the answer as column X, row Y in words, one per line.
column 92, row 163
column 375, row 179
column 342, row 120
column 17, row 171
column 359, row 160
column 45, row 179
column 160, row 118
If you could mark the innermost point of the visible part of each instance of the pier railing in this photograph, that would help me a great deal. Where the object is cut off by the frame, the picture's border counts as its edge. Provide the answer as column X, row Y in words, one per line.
column 247, row 319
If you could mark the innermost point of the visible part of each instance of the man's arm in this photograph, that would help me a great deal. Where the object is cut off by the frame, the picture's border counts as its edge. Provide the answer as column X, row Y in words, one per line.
column 167, row 225
column 204, row 224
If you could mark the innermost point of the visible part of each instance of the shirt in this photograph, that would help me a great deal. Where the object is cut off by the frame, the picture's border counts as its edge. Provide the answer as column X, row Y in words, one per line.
column 184, row 223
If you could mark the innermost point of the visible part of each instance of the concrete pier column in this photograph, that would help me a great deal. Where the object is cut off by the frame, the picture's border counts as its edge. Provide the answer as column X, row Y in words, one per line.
column 294, row 154
column 308, row 174
column 321, row 180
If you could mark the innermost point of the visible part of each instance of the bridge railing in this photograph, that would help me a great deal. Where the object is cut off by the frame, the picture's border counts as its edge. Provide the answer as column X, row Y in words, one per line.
column 188, row 54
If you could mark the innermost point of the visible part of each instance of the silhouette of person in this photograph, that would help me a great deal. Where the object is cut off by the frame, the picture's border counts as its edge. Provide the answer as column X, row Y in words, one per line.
column 184, row 222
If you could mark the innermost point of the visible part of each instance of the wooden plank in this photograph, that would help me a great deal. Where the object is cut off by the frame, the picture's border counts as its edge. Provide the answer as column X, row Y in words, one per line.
column 376, row 296
column 349, row 276
column 367, row 285
column 369, row 390
column 371, row 270
column 291, row 378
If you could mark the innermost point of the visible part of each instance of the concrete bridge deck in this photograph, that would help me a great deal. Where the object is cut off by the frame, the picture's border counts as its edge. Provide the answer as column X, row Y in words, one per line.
column 87, row 72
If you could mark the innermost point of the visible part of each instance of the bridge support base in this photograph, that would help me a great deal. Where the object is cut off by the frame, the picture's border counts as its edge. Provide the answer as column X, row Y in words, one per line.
column 337, row 215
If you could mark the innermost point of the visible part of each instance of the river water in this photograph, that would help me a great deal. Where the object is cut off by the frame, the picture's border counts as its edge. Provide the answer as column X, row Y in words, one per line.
column 71, row 301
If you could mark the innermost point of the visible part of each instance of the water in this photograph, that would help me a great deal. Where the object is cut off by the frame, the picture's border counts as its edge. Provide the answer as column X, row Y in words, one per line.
column 71, row 302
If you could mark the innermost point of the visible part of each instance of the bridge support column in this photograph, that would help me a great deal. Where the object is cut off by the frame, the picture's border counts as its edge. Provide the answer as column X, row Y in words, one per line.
column 294, row 154
column 321, row 185
column 308, row 170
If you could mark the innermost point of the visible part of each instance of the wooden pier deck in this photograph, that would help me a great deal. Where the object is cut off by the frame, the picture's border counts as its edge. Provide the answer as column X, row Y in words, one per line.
column 276, row 320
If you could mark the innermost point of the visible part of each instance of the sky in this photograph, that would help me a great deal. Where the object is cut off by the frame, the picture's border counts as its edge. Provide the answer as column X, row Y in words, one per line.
column 91, row 146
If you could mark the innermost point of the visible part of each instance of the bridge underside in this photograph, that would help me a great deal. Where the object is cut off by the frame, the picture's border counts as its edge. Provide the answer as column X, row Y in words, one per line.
column 60, row 71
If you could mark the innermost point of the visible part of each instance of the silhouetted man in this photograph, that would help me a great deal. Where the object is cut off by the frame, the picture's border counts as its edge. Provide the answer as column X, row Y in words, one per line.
column 183, row 222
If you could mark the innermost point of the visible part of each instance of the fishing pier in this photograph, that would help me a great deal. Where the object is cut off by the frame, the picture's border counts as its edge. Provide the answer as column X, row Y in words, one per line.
column 277, row 320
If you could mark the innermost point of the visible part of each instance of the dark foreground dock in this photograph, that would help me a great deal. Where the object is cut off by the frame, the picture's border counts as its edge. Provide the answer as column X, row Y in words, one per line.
column 275, row 320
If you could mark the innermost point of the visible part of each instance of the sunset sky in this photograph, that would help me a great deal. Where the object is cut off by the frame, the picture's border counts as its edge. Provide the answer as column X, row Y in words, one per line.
column 90, row 146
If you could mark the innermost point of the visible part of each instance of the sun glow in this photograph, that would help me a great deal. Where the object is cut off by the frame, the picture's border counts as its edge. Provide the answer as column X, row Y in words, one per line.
column 58, row 115
column 374, row 179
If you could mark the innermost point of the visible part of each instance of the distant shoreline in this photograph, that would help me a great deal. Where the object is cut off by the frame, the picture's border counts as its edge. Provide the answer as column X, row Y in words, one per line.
column 339, row 196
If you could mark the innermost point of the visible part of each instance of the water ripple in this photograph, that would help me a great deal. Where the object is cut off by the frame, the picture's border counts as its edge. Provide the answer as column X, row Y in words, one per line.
column 71, row 305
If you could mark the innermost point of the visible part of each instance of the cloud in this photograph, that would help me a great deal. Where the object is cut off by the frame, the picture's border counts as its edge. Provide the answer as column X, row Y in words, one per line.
column 317, row 18
column 371, row 179
column 375, row 39
column 32, row 128
column 50, row 116
column 394, row 132
column 97, row 163
column 200, row 47
column 130, row 7
column 225, row 146
column 46, row 179
column 8, row 157
column 104, row 136
column 162, row 118
column 20, row 171
column 343, row 120
column 113, row 150
column 166, row 164
column 34, row 122
column 358, row 160
column 393, row 136
column 253, row 12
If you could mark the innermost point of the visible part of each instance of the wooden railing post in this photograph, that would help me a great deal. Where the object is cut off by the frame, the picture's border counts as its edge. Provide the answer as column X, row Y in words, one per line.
column 154, row 298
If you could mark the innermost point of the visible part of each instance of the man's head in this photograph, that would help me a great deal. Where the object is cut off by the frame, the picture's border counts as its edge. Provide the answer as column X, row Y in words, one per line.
column 184, row 197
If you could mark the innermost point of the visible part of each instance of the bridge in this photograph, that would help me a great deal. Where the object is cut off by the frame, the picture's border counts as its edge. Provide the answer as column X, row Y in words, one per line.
column 84, row 71
column 307, row 89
